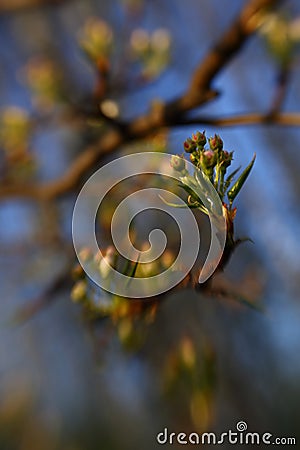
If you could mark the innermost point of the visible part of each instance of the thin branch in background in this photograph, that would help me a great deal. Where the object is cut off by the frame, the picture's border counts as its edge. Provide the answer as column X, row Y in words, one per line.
column 255, row 118
column 113, row 139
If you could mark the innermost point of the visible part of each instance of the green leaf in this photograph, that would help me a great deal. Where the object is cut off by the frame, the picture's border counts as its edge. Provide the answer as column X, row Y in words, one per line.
column 177, row 205
column 190, row 191
column 230, row 178
column 132, row 271
column 174, row 205
column 233, row 192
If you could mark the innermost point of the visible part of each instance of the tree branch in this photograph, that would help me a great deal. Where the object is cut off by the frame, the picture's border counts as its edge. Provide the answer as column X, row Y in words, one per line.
column 282, row 119
column 198, row 92
column 113, row 140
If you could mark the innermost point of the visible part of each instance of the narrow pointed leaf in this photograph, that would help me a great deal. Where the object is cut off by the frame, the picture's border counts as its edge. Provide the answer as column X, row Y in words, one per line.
column 230, row 178
column 131, row 273
column 233, row 192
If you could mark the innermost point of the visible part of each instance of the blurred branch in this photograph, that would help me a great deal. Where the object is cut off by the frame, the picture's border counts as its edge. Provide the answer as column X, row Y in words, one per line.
column 283, row 119
column 12, row 6
column 113, row 139
column 161, row 115
column 226, row 47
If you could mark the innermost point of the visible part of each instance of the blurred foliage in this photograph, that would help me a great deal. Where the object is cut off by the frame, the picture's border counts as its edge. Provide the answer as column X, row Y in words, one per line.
column 281, row 33
column 15, row 133
column 44, row 79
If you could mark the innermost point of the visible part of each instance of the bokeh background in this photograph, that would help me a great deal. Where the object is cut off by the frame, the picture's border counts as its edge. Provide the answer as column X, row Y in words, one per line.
column 67, row 384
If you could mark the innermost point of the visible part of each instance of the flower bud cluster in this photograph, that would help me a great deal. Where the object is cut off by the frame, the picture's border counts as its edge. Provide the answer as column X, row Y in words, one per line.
column 213, row 161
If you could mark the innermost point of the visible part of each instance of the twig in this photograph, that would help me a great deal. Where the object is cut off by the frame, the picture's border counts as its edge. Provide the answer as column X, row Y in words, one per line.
column 255, row 118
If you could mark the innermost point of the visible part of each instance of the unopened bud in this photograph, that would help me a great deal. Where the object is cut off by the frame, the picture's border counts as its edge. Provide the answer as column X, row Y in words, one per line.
column 208, row 159
column 216, row 142
column 226, row 158
column 189, row 145
column 177, row 163
column 199, row 138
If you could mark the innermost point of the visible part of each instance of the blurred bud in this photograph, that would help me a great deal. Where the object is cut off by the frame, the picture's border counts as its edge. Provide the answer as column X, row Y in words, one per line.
column 15, row 130
column 44, row 79
column 188, row 353
column 276, row 30
column 216, row 142
column 199, row 138
column 96, row 38
column 139, row 41
column 177, row 163
column 107, row 262
column 161, row 40
column 78, row 292
column 85, row 254
column 151, row 51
